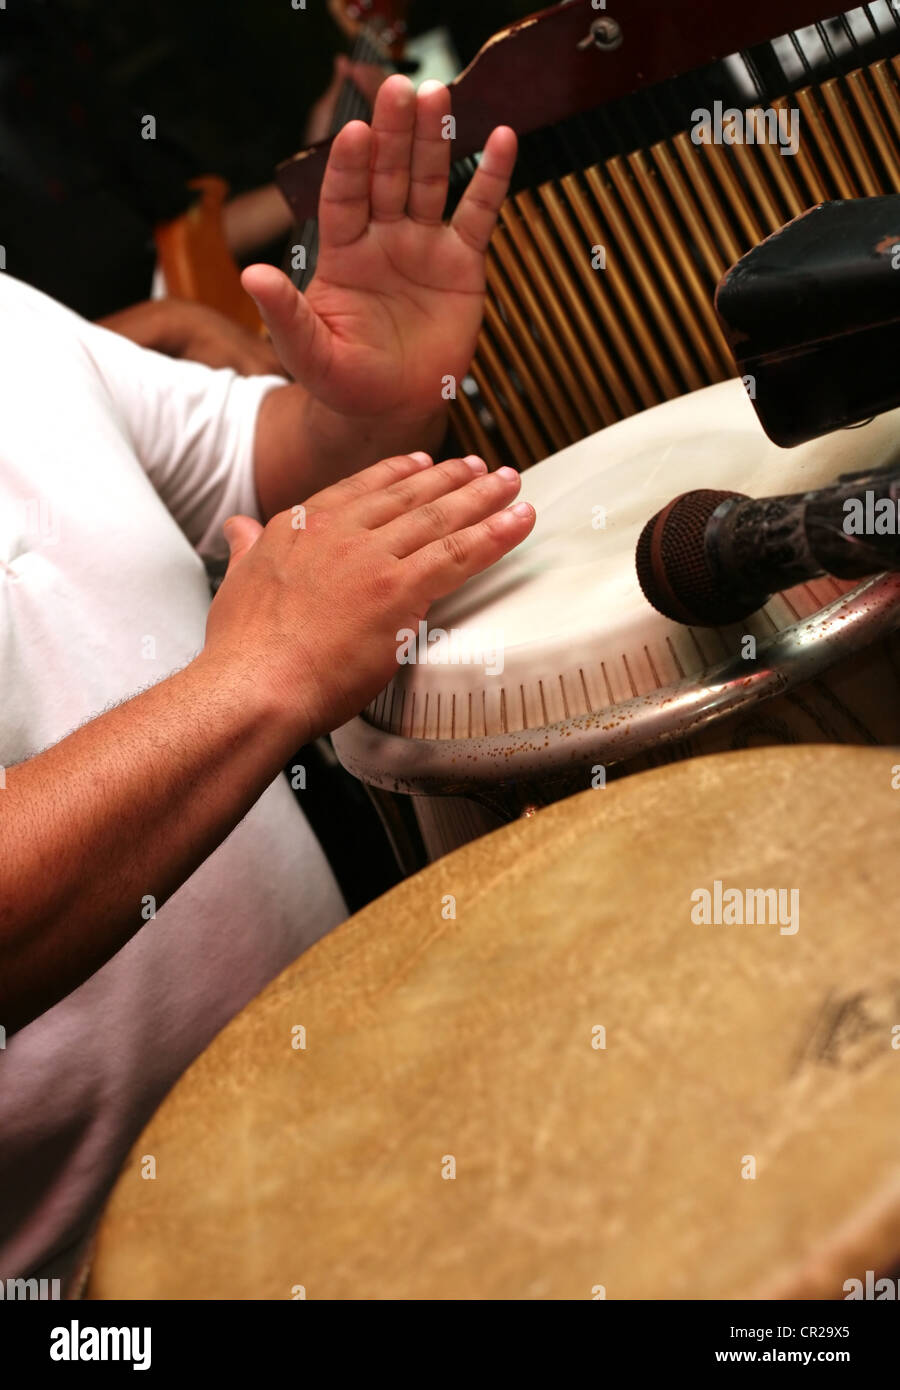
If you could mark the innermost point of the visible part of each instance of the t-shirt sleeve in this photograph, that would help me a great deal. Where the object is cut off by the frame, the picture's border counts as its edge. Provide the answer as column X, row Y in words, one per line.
column 191, row 427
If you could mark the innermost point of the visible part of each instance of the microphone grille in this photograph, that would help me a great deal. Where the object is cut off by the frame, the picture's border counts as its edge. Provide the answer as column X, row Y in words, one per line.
column 672, row 567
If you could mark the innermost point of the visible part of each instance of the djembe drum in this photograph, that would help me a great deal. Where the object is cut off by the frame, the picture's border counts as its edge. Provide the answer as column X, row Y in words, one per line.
column 551, row 668
column 542, row 1069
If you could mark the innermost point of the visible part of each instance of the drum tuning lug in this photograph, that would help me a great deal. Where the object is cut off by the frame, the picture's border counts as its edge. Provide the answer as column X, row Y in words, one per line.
column 605, row 34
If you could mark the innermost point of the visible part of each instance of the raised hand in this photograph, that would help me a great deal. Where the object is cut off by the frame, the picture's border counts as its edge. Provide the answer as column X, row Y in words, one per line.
column 396, row 302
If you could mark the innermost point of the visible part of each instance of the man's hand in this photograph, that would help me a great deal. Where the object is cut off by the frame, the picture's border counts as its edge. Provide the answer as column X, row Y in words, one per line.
column 396, row 301
column 301, row 635
column 311, row 607
column 181, row 328
column 208, row 336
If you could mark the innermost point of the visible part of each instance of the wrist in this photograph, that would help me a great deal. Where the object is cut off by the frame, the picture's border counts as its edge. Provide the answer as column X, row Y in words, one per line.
column 355, row 441
column 253, row 709
column 302, row 446
column 171, row 326
column 160, row 324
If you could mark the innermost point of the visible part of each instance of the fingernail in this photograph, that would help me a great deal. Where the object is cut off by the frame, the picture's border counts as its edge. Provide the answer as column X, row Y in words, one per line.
column 476, row 464
column 420, row 456
column 521, row 508
column 507, row 473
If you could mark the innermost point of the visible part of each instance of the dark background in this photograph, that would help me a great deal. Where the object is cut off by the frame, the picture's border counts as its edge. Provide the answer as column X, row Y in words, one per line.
column 229, row 82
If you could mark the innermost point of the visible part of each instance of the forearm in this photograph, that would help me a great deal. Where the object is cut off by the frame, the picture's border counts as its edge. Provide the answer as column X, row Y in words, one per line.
column 302, row 447
column 100, row 829
column 160, row 324
column 254, row 219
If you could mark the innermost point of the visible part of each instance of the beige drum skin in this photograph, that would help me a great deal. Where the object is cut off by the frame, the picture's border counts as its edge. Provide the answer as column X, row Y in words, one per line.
column 528, row 1073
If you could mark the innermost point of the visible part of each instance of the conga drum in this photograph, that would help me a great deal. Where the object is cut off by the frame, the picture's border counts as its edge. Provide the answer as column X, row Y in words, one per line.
column 642, row 1044
column 551, row 670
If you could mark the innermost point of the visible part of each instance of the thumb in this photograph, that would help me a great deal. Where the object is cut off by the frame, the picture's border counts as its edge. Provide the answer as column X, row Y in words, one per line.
column 241, row 533
column 298, row 335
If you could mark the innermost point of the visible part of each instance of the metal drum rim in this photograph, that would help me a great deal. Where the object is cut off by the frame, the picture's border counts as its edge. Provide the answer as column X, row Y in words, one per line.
column 469, row 766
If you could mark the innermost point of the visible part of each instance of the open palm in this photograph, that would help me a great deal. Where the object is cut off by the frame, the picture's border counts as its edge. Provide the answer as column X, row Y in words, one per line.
column 396, row 302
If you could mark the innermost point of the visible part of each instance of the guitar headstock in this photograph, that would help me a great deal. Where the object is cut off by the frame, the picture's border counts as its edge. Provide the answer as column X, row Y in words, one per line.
column 382, row 21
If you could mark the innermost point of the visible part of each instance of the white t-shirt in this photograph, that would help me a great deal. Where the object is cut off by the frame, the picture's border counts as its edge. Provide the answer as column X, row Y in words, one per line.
column 117, row 469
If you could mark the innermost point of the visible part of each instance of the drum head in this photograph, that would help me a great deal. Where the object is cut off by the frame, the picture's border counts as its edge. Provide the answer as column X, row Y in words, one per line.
column 532, row 1072
column 559, row 627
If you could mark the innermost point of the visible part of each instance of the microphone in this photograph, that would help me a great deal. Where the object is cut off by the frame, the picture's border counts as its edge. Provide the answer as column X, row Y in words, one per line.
column 710, row 558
